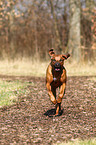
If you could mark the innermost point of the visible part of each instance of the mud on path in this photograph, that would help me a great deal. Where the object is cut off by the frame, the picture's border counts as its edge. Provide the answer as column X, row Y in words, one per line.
column 26, row 122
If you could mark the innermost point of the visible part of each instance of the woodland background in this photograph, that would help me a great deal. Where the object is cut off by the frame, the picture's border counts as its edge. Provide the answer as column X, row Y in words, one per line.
column 29, row 28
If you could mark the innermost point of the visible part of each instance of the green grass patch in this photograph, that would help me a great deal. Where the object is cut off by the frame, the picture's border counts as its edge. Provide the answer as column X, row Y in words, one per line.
column 11, row 90
column 80, row 142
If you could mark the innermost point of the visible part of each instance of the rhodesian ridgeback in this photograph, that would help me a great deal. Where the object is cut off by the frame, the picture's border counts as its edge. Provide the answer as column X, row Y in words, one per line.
column 56, row 77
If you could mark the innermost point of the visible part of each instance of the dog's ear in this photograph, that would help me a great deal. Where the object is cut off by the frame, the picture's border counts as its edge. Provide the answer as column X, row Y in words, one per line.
column 51, row 52
column 66, row 56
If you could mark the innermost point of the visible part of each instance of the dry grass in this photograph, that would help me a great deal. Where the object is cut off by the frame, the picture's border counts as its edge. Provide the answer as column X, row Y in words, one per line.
column 80, row 142
column 75, row 69
column 28, row 67
column 22, row 68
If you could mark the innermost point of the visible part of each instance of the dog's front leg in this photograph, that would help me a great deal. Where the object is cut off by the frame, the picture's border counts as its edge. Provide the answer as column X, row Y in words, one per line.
column 59, row 100
column 61, row 94
column 50, row 93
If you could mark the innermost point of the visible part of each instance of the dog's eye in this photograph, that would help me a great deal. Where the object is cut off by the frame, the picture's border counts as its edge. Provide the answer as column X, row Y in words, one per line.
column 61, row 60
column 53, row 60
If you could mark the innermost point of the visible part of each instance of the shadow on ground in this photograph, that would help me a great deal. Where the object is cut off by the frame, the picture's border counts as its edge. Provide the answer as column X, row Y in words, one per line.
column 51, row 113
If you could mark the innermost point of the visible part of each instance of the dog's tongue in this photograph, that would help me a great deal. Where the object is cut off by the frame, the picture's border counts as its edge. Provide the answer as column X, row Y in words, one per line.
column 57, row 69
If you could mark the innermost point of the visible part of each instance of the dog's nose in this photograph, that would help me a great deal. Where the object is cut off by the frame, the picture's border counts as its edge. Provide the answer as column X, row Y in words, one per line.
column 57, row 64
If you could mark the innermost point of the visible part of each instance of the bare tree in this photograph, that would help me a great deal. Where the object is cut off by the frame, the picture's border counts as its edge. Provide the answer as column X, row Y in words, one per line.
column 74, row 32
column 30, row 28
column 58, row 40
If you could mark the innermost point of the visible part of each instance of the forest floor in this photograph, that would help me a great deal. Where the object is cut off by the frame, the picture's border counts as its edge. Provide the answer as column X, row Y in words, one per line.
column 31, row 121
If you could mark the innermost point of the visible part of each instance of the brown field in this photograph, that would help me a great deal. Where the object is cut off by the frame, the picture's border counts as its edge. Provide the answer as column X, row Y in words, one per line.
column 31, row 119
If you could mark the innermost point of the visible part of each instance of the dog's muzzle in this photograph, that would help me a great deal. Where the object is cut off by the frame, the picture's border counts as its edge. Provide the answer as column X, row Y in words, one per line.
column 57, row 66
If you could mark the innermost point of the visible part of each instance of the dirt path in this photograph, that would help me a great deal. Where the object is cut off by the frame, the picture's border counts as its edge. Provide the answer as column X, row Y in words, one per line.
column 26, row 122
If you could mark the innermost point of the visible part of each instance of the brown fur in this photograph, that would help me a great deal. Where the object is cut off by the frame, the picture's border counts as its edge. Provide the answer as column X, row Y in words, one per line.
column 56, row 77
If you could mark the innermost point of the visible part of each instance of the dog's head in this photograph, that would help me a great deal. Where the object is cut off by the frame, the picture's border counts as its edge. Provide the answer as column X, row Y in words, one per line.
column 57, row 61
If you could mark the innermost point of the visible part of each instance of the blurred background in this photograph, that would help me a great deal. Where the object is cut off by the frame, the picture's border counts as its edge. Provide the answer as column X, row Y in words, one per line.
column 29, row 28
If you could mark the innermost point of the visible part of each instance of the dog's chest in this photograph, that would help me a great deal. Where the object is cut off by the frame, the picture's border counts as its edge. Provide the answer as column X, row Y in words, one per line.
column 56, row 82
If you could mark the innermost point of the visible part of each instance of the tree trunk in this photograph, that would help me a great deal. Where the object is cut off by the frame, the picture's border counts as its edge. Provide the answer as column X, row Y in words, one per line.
column 11, row 36
column 74, row 32
column 90, row 5
column 58, row 40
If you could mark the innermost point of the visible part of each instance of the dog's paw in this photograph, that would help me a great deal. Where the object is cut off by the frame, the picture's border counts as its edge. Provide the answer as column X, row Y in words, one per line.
column 59, row 113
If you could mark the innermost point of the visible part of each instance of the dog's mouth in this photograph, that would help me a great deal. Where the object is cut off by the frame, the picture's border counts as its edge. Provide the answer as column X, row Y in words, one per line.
column 57, row 68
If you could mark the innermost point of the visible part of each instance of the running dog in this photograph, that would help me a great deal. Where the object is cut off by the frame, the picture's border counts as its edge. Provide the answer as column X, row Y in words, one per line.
column 56, row 77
